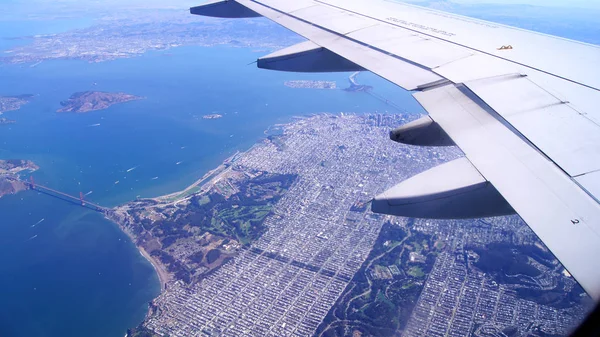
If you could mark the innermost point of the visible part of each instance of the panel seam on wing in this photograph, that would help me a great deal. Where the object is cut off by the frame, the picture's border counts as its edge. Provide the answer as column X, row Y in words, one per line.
column 454, row 43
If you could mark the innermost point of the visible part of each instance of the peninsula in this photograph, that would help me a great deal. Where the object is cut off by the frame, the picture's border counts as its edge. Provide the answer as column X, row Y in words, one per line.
column 275, row 237
column 189, row 234
column 86, row 101
column 10, row 103
column 279, row 201
column 122, row 34
column 10, row 183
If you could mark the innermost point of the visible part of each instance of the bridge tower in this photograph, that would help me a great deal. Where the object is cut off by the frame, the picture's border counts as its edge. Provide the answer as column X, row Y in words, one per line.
column 81, row 198
column 31, row 183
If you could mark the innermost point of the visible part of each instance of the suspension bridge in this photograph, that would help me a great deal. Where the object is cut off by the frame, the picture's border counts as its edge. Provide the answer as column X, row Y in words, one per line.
column 31, row 184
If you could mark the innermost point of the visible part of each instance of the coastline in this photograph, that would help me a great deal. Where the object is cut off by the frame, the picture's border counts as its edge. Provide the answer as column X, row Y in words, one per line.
column 163, row 276
column 205, row 178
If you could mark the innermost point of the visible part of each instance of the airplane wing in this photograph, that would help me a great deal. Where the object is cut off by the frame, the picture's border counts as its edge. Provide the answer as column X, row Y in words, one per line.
column 521, row 105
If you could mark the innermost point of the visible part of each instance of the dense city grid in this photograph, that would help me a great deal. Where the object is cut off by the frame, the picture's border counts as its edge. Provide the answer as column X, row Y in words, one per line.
column 288, row 280
column 340, row 160
column 458, row 299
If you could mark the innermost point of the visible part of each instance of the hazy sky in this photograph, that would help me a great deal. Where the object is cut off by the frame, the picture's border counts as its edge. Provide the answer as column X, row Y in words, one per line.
column 170, row 3
column 189, row 3
column 555, row 3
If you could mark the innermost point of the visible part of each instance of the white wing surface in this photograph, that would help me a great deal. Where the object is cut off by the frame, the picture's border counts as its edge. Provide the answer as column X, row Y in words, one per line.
column 523, row 107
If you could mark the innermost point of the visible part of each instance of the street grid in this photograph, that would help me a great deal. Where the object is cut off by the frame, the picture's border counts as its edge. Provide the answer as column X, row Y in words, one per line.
column 287, row 282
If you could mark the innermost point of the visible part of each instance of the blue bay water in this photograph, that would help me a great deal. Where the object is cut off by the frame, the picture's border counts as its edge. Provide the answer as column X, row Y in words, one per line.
column 75, row 273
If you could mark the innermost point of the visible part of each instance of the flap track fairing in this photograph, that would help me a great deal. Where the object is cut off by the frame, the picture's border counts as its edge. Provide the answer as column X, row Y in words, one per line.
column 423, row 131
column 454, row 190
column 306, row 57
column 224, row 9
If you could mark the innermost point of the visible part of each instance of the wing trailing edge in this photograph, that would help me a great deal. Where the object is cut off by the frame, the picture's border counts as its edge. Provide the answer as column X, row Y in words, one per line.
column 423, row 132
column 527, row 123
column 306, row 57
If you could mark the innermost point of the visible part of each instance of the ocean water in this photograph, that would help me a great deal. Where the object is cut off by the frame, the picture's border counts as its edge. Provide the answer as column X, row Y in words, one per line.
column 75, row 273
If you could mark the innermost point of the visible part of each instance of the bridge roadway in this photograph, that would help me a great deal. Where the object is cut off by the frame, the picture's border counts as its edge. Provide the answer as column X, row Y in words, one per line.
column 65, row 196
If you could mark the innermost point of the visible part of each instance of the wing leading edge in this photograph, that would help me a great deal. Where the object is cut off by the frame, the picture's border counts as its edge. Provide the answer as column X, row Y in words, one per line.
column 527, row 123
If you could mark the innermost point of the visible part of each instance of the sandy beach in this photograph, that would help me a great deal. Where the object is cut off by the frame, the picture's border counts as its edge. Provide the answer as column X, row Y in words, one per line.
column 212, row 174
column 163, row 275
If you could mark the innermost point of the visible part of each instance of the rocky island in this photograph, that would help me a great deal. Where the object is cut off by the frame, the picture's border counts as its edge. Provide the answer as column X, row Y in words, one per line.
column 355, row 86
column 86, row 101
column 11, row 103
column 10, row 183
